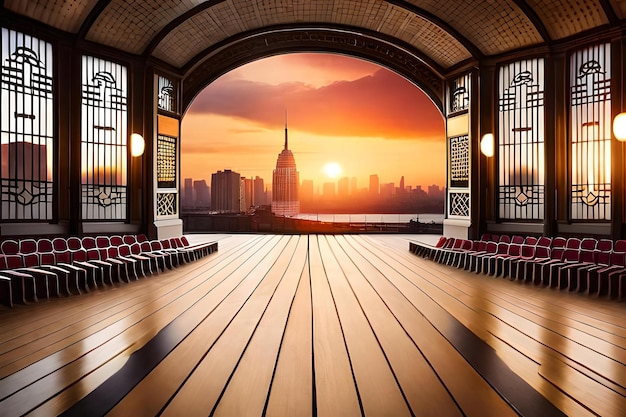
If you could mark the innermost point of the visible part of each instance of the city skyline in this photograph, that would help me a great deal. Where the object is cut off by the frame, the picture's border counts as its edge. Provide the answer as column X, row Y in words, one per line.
column 350, row 113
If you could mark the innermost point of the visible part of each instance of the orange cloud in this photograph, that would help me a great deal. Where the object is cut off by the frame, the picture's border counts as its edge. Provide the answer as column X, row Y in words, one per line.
column 380, row 105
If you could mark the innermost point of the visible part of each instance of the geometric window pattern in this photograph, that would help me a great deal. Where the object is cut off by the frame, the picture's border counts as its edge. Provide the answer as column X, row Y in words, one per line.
column 166, row 204
column 590, row 115
column 459, row 161
column 460, row 204
column 166, row 161
column 166, row 95
column 459, row 94
column 26, row 128
column 521, row 140
column 104, row 150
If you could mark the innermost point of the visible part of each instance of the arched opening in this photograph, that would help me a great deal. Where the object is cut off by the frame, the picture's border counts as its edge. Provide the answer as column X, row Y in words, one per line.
column 383, row 137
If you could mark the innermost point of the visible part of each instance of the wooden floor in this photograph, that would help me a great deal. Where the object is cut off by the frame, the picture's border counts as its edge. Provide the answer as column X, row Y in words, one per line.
column 346, row 325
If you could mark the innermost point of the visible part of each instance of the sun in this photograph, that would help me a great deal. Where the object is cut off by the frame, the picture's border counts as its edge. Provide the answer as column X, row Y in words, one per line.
column 332, row 169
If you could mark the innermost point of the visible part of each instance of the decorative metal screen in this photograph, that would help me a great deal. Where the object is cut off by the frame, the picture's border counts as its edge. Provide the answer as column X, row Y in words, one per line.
column 460, row 204
column 26, row 128
column 166, row 204
column 460, row 94
column 459, row 161
column 166, row 162
column 167, row 95
column 521, row 140
column 104, row 125
column 590, row 82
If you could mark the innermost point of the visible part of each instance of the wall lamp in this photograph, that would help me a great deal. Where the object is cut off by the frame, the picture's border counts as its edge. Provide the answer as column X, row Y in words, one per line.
column 487, row 146
column 619, row 127
column 137, row 144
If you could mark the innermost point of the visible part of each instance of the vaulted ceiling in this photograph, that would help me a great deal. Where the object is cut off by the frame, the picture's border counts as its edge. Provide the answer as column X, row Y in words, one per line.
column 445, row 32
column 423, row 39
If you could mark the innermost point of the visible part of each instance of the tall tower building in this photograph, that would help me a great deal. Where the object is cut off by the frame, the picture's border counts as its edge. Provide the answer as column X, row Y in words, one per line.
column 374, row 185
column 226, row 191
column 285, row 182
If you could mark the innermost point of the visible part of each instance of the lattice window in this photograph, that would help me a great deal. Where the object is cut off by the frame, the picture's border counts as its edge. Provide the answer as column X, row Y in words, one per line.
column 590, row 115
column 104, row 136
column 167, row 95
column 166, row 161
column 521, row 140
column 26, row 128
column 460, row 204
column 167, row 204
column 459, row 94
column 459, row 161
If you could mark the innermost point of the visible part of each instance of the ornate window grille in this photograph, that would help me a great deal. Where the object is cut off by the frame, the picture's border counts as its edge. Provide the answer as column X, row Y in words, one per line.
column 167, row 95
column 521, row 140
column 104, row 136
column 590, row 115
column 26, row 128
column 166, row 161
column 459, row 94
column 459, row 161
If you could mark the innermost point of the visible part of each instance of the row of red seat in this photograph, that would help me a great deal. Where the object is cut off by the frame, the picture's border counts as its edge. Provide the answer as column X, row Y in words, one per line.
column 33, row 269
column 595, row 266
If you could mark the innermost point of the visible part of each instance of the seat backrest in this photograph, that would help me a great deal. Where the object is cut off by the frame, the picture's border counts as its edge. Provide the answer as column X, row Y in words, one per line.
column 542, row 252
column 571, row 255
column 505, row 239
column 603, row 257
column 557, row 252
column 88, row 242
column 186, row 241
column 165, row 243
column 10, row 247
column 116, row 240
column 145, row 247
column 30, row 260
column 517, row 239
column 528, row 251
column 466, row 244
column 79, row 255
column 618, row 258
column 62, row 256
column 59, row 244
column 588, row 243
column 492, row 247
column 485, row 237
column 154, row 245
column 103, row 242
column 503, row 247
column 14, row 261
column 515, row 249
column 135, row 248
column 129, row 239
column 559, row 242
column 124, row 249
column 112, row 252
column 588, row 256
column 620, row 245
column 605, row 245
column 142, row 238
column 531, row 240
column 74, row 243
column 28, row 246
column 544, row 241
column 573, row 243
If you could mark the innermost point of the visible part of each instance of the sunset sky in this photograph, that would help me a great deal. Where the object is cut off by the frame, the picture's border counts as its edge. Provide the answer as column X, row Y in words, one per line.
column 341, row 110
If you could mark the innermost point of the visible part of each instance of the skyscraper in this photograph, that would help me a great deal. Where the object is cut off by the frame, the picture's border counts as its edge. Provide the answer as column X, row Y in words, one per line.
column 285, row 182
column 374, row 184
column 226, row 191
